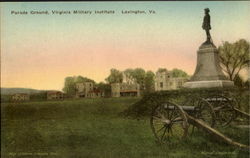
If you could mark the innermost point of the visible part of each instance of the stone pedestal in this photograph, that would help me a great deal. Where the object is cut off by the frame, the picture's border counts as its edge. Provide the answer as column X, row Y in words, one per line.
column 208, row 72
column 208, row 84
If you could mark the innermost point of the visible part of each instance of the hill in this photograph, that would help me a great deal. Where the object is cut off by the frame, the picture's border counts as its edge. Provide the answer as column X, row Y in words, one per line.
column 7, row 91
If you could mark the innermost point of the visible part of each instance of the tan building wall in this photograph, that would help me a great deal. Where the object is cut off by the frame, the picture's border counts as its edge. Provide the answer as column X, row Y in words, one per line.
column 164, row 81
column 80, row 90
column 54, row 95
column 125, row 89
column 80, row 87
column 96, row 94
column 89, row 86
column 161, row 81
column 20, row 97
column 87, row 90
column 115, row 89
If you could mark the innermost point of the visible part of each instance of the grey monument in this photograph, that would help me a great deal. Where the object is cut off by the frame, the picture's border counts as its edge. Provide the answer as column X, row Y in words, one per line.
column 208, row 72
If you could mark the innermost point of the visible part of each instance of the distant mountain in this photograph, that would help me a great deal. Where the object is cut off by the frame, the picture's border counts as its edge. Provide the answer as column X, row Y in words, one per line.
column 5, row 91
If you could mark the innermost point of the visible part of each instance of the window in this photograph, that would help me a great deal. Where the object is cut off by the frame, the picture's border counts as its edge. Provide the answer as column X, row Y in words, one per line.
column 161, row 84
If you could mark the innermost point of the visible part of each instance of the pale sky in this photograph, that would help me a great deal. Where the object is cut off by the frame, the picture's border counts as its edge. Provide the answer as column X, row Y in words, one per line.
column 39, row 51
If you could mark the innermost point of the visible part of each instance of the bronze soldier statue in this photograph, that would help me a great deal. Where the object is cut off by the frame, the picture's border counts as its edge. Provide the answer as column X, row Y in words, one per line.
column 206, row 24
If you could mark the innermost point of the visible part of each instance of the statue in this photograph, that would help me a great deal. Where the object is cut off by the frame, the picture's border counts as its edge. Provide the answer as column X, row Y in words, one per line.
column 206, row 25
column 208, row 72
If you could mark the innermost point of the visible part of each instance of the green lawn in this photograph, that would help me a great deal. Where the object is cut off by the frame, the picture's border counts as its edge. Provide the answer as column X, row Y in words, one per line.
column 94, row 128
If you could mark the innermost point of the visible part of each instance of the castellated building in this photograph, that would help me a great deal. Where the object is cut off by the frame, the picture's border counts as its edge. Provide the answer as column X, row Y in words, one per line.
column 128, row 87
column 87, row 90
column 165, row 81
column 125, row 89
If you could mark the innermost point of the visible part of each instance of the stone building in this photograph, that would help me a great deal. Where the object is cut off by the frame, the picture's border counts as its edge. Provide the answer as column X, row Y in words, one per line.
column 96, row 93
column 165, row 81
column 128, row 87
column 54, row 95
column 87, row 90
column 20, row 97
column 128, row 79
column 125, row 89
column 83, row 89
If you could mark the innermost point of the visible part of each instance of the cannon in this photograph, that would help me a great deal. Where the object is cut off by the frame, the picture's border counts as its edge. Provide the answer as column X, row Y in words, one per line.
column 172, row 122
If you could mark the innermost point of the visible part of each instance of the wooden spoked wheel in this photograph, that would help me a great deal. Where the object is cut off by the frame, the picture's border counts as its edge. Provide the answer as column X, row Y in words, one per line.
column 205, row 112
column 202, row 110
column 169, row 122
column 223, row 108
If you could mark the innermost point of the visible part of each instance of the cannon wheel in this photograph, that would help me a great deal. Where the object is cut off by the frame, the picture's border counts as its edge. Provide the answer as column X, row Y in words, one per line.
column 223, row 108
column 169, row 124
column 203, row 110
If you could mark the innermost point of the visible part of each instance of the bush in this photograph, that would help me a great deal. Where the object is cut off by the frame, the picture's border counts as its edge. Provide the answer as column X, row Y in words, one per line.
column 144, row 106
column 38, row 96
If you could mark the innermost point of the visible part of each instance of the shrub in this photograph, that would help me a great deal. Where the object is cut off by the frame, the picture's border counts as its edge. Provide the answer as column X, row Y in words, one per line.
column 144, row 106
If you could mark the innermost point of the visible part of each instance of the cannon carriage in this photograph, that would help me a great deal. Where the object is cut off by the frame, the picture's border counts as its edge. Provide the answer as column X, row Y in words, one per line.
column 172, row 121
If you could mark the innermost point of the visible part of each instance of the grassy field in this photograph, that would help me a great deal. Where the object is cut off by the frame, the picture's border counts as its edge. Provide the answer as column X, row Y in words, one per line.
column 95, row 128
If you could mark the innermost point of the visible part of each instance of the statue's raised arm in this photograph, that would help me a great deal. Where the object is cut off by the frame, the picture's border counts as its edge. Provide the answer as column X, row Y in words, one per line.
column 206, row 24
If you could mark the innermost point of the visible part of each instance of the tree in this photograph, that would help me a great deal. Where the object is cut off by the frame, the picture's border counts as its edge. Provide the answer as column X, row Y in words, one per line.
column 80, row 79
column 162, row 70
column 178, row 73
column 106, row 88
column 234, row 57
column 135, row 76
column 149, row 81
column 139, row 76
column 69, row 86
column 38, row 96
column 70, row 83
column 247, row 84
column 175, row 72
column 238, row 81
column 114, row 77
column 129, row 75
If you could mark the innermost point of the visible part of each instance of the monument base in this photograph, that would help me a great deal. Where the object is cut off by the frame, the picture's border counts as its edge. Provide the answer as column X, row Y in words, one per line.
column 209, row 84
column 208, row 64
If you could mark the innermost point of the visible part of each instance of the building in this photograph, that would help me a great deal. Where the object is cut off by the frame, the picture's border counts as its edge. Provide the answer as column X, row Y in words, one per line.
column 87, row 90
column 54, row 95
column 128, row 87
column 20, row 97
column 128, row 79
column 83, row 89
column 95, row 93
column 125, row 89
column 165, row 81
